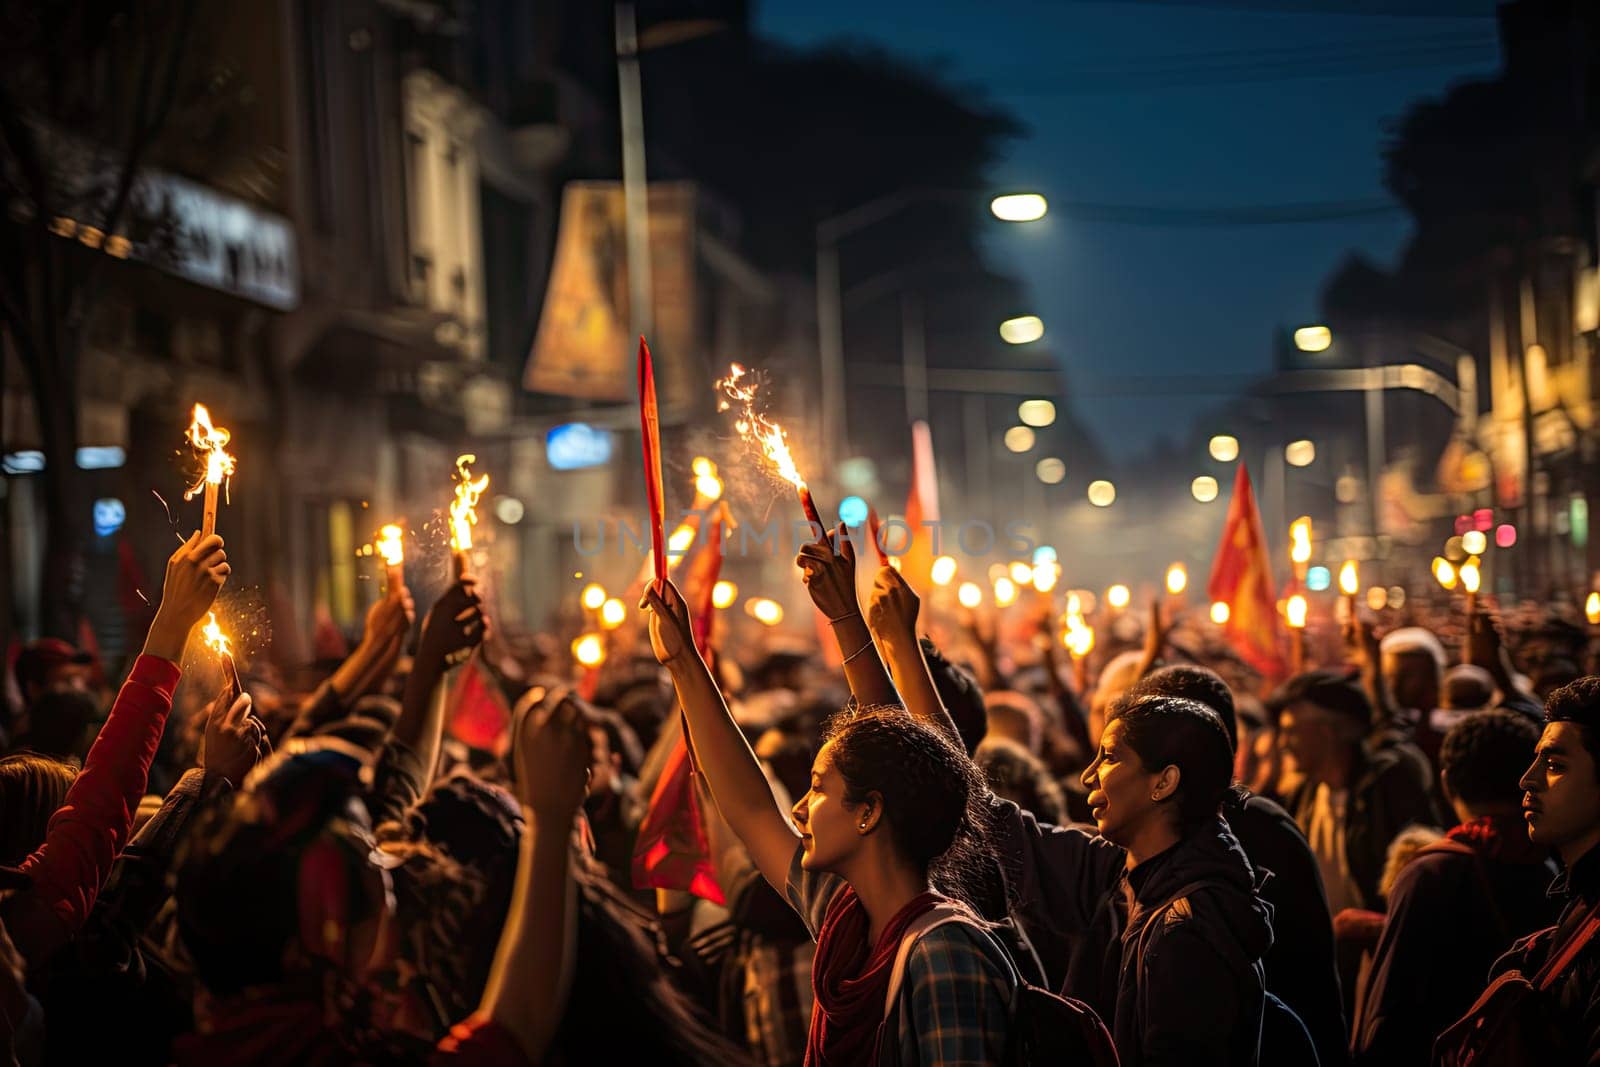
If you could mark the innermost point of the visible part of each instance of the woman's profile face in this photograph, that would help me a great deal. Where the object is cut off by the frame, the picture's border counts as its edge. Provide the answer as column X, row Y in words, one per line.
column 1119, row 787
column 829, row 830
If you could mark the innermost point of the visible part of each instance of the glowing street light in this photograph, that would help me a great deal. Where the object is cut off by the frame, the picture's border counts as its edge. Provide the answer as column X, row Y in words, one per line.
column 969, row 594
column 1204, row 489
column 594, row 595
column 1118, row 596
column 1050, row 470
column 1224, row 448
column 1021, row 573
column 1474, row 542
column 1313, row 338
column 1300, row 453
column 1019, row 439
column 943, row 570
column 1019, row 207
column 1102, row 493
column 765, row 611
column 1022, row 330
column 1220, row 612
column 1036, row 412
column 612, row 612
column 1005, row 592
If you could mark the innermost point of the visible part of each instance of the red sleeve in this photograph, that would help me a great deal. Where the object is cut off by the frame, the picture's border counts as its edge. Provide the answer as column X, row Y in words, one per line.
column 88, row 831
column 478, row 1041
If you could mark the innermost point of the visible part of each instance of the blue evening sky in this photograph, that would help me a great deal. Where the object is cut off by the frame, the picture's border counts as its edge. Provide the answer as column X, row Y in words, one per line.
column 1136, row 300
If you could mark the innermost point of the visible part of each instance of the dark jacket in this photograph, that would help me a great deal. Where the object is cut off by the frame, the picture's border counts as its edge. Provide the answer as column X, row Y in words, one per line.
column 1386, row 795
column 1450, row 916
column 1576, row 994
column 1198, row 998
column 1300, row 964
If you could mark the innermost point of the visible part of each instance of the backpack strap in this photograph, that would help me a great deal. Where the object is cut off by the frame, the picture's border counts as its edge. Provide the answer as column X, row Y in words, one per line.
column 935, row 916
column 1559, row 961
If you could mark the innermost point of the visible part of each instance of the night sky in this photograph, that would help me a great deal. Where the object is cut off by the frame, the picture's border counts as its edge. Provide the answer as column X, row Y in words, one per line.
column 1176, row 105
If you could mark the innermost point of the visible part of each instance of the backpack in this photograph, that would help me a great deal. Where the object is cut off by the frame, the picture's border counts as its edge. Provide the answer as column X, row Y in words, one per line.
column 1041, row 1027
column 1285, row 1037
column 1511, row 1021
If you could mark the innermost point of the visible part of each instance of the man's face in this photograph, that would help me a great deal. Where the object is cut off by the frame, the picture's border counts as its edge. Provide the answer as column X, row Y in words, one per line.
column 1307, row 733
column 1561, row 794
column 1413, row 679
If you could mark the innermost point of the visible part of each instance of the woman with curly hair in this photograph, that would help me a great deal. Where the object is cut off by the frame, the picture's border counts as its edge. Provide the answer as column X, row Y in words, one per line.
column 869, row 855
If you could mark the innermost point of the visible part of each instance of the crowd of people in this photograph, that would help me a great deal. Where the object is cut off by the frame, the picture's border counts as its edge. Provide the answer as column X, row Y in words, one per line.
column 935, row 843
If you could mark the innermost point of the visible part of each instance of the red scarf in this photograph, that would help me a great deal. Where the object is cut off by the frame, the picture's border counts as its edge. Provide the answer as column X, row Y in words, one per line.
column 850, row 985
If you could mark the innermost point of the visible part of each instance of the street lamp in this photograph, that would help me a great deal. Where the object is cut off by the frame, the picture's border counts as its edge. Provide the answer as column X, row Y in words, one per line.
column 1050, row 470
column 1019, row 207
column 1102, row 493
column 1022, row 330
column 1224, row 448
column 1204, row 488
column 1300, row 453
column 1313, row 338
column 1036, row 412
column 1019, row 439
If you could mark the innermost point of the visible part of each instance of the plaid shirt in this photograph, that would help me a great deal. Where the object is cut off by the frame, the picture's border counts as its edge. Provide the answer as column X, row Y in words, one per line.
column 953, row 1005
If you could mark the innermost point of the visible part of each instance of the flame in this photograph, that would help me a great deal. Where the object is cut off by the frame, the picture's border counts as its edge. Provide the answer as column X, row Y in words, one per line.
column 463, row 510
column 1591, row 609
column 1118, row 596
column 768, row 612
column 391, row 545
column 210, row 441
column 758, row 430
column 1220, row 612
column 589, row 650
column 612, row 613
column 1177, row 579
column 1349, row 578
column 1295, row 609
column 593, row 596
column 1300, row 538
column 214, row 636
column 943, row 570
column 969, row 594
column 1470, row 576
column 723, row 594
column 1444, row 571
column 1079, row 635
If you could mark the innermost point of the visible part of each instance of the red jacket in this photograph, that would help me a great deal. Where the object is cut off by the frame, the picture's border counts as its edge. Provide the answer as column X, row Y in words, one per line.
column 87, row 832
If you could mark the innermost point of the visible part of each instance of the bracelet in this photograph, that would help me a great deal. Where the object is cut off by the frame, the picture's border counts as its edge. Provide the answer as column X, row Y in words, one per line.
column 857, row 652
column 846, row 615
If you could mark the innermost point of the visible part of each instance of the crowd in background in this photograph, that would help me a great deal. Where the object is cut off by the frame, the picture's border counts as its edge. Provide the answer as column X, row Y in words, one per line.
column 935, row 841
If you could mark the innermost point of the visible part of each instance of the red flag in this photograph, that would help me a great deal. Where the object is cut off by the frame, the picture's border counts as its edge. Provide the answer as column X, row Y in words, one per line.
column 650, row 425
column 1241, row 575
column 700, row 579
column 671, row 851
column 922, row 505
column 476, row 711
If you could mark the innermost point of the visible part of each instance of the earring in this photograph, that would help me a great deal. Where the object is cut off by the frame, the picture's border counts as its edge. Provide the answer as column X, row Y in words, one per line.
column 1155, row 798
column 863, row 825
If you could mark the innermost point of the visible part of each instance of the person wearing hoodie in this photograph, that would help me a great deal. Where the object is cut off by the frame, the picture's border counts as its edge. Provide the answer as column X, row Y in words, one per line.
column 1455, row 907
column 1164, row 887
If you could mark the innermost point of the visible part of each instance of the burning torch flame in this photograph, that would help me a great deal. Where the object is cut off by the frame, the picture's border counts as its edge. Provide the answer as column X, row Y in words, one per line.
column 463, row 510
column 757, row 429
column 1295, row 609
column 1444, row 571
column 1591, row 609
column 214, row 636
column 210, row 441
column 1470, row 576
column 1079, row 636
column 391, row 545
column 1300, row 538
column 1349, row 578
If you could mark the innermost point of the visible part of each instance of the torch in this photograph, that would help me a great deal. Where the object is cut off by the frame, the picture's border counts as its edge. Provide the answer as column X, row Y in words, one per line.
column 218, row 640
column 768, row 437
column 464, row 511
column 1079, row 640
column 211, row 442
column 1349, row 585
column 391, row 546
column 1295, row 610
column 1471, row 577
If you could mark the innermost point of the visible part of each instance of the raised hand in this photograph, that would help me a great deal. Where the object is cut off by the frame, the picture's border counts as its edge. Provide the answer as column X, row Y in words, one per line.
column 234, row 741
column 829, row 576
column 455, row 625
column 892, row 607
column 671, row 633
column 196, row 573
column 552, row 753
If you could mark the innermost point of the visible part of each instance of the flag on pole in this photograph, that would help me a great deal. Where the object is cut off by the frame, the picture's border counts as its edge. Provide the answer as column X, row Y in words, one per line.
column 650, row 426
column 1241, row 576
column 922, row 505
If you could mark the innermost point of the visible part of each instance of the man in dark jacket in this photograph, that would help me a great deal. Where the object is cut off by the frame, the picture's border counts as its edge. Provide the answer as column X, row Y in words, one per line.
column 1561, row 804
column 1300, row 964
column 1352, row 800
column 1457, row 906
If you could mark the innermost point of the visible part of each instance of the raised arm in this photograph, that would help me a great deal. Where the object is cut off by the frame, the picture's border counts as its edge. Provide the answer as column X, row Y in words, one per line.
column 892, row 614
column 365, row 669
column 830, row 578
column 527, row 988
column 455, row 625
column 731, row 769
column 92, row 825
